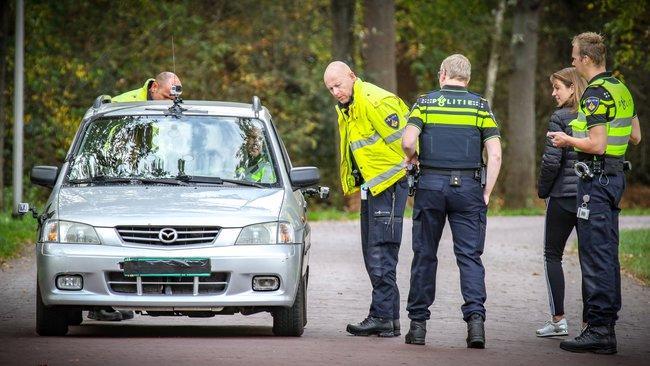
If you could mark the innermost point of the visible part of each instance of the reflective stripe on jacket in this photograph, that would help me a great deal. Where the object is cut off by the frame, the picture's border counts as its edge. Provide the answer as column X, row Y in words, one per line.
column 372, row 131
column 619, row 125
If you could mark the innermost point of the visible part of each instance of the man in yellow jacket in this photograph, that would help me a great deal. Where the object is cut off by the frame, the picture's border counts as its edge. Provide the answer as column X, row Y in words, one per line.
column 371, row 121
column 153, row 89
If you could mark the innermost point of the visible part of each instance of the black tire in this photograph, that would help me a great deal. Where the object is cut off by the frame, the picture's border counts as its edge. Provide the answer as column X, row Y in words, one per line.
column 289, row 322
column 75, row 317
column 50, row 320
column 304, row 303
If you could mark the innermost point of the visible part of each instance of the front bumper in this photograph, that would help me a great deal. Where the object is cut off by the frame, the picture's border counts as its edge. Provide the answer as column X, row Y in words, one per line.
column 236, row 265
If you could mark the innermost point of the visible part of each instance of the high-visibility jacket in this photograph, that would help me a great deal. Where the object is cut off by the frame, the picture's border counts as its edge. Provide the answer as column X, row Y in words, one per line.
column 261, row 171
column 619, row 112
column 371, row 130
column 137, row 95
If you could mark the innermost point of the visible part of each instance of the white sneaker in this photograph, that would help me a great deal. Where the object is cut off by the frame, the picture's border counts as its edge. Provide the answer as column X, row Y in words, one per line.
column 552, row 328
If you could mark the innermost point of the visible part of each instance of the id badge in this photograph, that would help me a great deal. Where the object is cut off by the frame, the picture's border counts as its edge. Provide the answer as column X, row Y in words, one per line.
column 583, row 213
column 364, row 192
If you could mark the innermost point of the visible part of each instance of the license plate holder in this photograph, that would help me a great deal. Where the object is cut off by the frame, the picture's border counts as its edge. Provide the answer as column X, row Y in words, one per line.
column 167, row 267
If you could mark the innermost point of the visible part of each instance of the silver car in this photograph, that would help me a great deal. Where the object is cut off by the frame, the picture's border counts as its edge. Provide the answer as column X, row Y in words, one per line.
column 184, row 208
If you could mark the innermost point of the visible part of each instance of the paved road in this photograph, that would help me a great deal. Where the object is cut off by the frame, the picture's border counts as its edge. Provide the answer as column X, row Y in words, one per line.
column 339, row 293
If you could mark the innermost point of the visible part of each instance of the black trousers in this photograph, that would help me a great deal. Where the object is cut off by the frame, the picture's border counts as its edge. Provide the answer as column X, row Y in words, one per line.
column 560, row 221
column 464, row 207
column 381, row 235
column 598, row 248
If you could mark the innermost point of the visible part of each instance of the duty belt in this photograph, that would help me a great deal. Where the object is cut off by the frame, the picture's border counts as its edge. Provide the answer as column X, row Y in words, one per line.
column 455, row 175
column 606, row 165
column 474, row 173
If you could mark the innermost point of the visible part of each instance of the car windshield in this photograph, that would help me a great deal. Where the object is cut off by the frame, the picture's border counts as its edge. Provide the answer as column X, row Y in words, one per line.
column 206, row 149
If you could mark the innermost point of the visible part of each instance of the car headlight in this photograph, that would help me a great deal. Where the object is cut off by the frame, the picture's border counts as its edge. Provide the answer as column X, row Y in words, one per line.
column 267, row 233
column 68, row 232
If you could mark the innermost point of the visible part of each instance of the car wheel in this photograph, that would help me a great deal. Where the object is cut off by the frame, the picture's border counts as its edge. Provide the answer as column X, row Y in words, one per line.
column 75, row 317
column 50, row 321
column 290, row 321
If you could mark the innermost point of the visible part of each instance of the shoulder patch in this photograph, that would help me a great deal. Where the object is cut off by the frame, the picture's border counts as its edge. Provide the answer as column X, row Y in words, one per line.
column 591, row 104
column 392, row 121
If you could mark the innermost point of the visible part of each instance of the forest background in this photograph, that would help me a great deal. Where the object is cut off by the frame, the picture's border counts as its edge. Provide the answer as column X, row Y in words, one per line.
column 232, row 50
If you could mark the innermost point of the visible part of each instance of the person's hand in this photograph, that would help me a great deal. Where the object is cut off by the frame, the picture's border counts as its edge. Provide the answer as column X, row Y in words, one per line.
column 412, row 160
column 558, row 139
column 486, row 198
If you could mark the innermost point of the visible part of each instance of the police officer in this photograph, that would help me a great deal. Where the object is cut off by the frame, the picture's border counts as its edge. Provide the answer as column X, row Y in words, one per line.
column 371, row 122
column 606, row 122
column 452, row 125
column 153, row 89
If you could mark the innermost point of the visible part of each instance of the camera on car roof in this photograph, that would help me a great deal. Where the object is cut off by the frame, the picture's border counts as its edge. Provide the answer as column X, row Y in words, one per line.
column 176, row 90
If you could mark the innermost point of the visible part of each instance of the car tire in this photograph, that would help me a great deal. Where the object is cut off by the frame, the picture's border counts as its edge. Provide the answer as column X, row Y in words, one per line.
column 75, row 317
column 289, row 321
column 50, row 321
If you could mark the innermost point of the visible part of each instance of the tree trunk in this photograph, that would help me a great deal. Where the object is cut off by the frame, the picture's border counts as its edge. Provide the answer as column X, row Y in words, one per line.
column 3, row 71
column 520, row 129
column 343, row 50
column 378, row 49
column 493, row 64
column 343, row 31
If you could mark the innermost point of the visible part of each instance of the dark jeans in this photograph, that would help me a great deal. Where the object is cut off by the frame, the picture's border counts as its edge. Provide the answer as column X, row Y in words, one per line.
column 381, row 235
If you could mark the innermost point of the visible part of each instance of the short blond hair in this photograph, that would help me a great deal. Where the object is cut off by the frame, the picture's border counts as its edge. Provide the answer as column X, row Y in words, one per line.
column 592, row 45
column 457, row 67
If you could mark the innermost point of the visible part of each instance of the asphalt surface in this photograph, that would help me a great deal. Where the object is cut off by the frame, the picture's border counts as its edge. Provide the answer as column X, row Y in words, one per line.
column 339, row 293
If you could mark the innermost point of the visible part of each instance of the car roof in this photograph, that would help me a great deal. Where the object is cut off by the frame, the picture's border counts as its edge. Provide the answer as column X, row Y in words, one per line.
column 193, row 107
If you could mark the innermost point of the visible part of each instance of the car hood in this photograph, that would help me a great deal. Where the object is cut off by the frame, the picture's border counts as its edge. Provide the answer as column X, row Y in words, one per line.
column 109, row 206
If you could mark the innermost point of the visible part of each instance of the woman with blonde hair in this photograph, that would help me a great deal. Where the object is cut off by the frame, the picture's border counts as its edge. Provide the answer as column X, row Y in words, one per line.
column 558, row 185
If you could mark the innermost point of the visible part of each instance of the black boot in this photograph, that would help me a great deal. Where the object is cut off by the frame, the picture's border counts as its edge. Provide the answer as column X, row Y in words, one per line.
column 417, row 332
column 382, row 327
column 396, row 328
column 596, row 339
column 475, row 331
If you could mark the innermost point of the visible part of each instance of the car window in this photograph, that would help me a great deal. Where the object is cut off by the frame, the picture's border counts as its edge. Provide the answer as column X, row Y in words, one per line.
column 168, row 147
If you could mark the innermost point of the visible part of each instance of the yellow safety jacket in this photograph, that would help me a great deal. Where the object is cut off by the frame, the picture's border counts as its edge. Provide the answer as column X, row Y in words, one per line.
column 619, row 112
column 371, row 130
column 137, row 95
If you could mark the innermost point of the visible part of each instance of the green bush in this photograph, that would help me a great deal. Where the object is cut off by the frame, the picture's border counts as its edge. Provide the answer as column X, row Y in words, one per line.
column 14, row 233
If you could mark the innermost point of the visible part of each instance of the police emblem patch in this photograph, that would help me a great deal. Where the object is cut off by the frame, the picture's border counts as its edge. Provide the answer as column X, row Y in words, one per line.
column 591, row 104
column 392, row 121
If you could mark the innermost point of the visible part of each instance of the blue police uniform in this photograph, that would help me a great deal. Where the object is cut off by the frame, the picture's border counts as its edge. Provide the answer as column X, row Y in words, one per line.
column 606, row 101
column 454, row 125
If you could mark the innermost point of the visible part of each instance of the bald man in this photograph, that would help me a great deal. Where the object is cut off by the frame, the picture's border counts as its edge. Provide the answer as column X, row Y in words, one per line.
column 371, row 121
column 153, row 89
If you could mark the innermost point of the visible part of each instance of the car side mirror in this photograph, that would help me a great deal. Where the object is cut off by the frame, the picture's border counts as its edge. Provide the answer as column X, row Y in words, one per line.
column 44, row 175
column 306, row 176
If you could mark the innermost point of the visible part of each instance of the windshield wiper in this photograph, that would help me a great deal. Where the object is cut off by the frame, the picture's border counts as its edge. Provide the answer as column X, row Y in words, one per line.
column 217, row 180
column 170, row 181
column 100, row 179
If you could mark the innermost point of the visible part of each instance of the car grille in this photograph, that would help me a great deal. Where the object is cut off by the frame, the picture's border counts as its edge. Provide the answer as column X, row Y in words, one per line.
column 186, row 235
column 214, row 284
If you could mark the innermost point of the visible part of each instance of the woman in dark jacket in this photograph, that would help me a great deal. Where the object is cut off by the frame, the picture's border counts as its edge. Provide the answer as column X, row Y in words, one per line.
column 557, row 183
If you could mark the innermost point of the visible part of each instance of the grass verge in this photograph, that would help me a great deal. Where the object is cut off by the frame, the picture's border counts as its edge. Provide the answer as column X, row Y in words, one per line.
column 634, row 253
column 14, row 233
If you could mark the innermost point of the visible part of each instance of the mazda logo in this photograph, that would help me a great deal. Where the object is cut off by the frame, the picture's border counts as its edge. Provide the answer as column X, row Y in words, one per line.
column 167, row 235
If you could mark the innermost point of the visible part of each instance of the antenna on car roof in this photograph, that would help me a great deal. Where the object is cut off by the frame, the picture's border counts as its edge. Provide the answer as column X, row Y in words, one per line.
column 173, row 55
column 257, row 105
